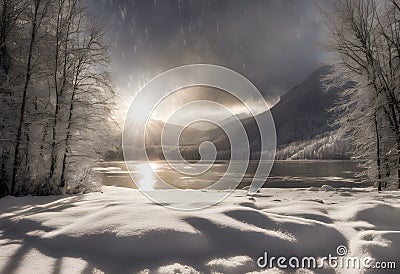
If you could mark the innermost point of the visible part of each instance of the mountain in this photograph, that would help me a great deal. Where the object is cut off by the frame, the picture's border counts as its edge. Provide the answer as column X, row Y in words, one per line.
column 303, row 112
column 301, row 116
column 302, row 119
column 155, row 129
column 153, row 134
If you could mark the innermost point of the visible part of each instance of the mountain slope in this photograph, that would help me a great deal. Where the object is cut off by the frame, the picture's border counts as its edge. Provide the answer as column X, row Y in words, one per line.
column 303, row 113
column 302, row 119
column 302, row 116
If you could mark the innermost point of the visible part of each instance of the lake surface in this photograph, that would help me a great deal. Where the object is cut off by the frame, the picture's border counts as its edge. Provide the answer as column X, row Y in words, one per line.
column 284, row 174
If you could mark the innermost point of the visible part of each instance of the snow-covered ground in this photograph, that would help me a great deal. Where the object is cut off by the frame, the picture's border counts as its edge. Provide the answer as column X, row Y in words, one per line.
column 121, row 231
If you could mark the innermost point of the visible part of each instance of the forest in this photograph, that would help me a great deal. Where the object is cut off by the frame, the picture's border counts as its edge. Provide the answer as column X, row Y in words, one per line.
column 56, row 96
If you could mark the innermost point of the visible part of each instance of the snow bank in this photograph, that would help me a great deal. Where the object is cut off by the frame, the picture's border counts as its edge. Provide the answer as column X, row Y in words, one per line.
column 120, row 231
column 327, row 188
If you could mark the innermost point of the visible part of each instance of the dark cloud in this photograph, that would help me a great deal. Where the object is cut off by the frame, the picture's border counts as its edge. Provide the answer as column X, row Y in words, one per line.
column 274, row 43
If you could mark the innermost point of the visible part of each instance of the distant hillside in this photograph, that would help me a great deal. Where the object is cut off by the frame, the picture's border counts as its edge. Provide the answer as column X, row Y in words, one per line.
column 329, row 145
column 302, row 113
column 302, row 119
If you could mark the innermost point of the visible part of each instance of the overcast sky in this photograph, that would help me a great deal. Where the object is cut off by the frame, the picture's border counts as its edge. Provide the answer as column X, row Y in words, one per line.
column 274, row 43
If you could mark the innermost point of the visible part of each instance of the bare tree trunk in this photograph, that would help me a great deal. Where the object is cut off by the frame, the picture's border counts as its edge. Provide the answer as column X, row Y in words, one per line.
column 28, row 76
column 54, row 154
column 398, row 159
column 53, row 164
column 378, row 153
column 4, row 66
column 67, row 139
column 4, row 191
column 61, row 89
column 68, row 133
column 4, row 57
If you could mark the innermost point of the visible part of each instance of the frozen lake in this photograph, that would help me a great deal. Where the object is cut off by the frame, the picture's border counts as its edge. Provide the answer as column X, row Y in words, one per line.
column 285, row 174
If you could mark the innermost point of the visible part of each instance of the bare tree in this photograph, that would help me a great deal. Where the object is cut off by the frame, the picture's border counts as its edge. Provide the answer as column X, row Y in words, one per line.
column 39, row 11
column 364, row 36
column 92, row 89
column 61, row 103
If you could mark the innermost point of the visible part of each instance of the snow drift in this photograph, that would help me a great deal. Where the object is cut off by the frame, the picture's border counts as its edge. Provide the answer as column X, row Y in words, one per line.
column 120, row 231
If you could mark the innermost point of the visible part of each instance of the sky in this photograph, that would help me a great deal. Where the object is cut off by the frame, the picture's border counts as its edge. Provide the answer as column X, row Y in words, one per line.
column 274, row 43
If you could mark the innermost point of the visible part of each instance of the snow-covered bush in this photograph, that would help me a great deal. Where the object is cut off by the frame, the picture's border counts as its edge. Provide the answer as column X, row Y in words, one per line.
column 83, row 183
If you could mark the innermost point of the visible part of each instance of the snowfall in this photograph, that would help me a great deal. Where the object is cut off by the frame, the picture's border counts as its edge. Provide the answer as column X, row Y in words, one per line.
column 122, row 231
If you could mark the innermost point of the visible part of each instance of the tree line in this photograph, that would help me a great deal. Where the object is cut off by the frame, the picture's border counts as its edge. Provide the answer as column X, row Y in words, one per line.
column 56, row 95
column 365, row 46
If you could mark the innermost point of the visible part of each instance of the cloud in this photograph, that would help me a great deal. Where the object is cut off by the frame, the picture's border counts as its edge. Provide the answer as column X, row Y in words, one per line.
column 274, row 43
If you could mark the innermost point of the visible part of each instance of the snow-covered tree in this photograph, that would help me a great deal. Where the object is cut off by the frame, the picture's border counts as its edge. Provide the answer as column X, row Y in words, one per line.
column 365, row 40
column 56, row 98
